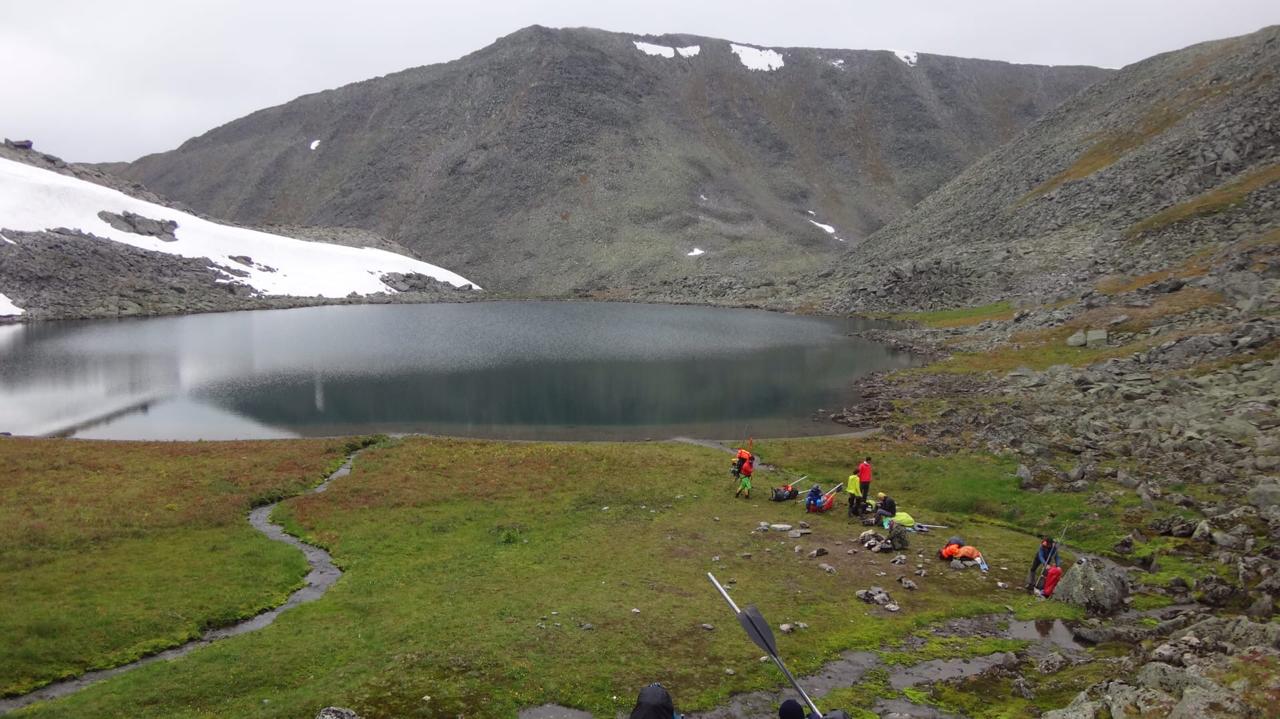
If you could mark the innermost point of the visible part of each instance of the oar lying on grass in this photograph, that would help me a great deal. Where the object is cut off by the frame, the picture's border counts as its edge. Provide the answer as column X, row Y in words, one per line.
column 758, row 630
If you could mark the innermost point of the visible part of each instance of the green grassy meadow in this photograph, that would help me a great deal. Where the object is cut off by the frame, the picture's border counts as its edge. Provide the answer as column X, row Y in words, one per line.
column 473, row 569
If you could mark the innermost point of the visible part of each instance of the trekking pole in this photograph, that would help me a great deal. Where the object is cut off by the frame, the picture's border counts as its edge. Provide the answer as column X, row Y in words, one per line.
column 758, row 631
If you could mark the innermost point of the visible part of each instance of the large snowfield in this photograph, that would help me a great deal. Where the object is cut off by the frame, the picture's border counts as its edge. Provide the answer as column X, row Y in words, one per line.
column 32, row 199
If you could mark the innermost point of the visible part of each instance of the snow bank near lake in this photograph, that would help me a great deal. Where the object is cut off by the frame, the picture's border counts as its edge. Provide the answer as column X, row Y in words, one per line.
column 8, row 309
column 756, row 59
column 32, row 199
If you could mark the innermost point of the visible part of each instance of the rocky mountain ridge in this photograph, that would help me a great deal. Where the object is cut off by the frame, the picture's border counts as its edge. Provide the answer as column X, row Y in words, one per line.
column 554, row 160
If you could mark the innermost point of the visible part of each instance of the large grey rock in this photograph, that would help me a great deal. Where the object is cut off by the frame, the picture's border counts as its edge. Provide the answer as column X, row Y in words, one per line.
column 1095, row 584
column 1078, row 339
column 1265, row 494
column 1095, row 338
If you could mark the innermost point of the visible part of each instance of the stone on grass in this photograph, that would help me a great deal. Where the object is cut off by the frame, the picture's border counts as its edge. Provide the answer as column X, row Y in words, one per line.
column 337, row 713
column 1095, row 584
column 827, row 568
column 819, row 552
column 1077, row 340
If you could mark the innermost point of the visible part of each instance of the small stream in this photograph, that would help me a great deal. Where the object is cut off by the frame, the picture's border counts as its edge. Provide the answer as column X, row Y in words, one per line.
column 323, row 575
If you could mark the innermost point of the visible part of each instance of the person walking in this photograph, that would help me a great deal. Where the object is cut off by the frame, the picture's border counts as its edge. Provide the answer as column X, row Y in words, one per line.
column 743, row 467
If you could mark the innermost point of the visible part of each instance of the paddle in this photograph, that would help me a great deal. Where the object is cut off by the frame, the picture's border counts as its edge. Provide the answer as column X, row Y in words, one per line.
column 757, row 629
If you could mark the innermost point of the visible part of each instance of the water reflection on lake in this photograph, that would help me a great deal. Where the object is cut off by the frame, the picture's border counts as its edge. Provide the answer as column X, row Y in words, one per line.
column 537, row 370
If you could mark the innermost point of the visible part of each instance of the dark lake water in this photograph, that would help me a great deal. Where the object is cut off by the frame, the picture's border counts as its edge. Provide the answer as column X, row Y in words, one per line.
column 533, row 370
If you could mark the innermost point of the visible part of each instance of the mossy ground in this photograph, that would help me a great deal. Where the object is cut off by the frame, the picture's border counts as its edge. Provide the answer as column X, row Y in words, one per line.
column 472, row 568
column 109, row 551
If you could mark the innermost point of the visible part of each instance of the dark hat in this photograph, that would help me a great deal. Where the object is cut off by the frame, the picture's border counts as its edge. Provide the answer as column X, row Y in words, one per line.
column 791, row 709
column 654, row 702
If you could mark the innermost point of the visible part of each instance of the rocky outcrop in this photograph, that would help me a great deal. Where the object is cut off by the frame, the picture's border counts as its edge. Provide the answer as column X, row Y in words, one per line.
column 139, row 225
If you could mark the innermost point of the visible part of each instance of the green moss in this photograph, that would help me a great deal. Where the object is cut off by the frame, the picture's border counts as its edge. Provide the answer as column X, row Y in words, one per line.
column 959, row 317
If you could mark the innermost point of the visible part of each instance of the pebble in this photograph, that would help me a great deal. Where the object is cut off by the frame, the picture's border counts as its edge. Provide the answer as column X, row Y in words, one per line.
column 708, row 627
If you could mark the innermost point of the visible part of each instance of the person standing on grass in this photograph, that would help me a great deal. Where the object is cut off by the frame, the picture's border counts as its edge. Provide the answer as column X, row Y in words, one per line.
column 857, row 502
column 864, row 478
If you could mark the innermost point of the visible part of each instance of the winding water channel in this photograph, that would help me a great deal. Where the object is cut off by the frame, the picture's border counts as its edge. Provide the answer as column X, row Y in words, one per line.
column 322, row 575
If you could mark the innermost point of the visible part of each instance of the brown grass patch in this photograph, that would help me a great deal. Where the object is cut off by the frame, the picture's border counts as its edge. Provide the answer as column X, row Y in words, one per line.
column 1109, row 147
column 1211, row 202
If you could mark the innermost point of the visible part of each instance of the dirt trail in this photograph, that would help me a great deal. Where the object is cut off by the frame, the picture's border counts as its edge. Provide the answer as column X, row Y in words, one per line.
column 323, row 575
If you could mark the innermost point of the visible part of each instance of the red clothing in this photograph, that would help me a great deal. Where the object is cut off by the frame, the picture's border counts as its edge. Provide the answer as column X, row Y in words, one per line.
column 864, row 473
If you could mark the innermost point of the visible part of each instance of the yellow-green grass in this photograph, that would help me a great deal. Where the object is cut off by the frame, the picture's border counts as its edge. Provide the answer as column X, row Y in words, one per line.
column 455, row 551
column 109, row 551
column 959, row 317
column 1107, row 148
column 1211, row 202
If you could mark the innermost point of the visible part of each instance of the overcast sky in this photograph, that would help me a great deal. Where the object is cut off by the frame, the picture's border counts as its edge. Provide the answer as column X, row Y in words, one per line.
column 95, row 80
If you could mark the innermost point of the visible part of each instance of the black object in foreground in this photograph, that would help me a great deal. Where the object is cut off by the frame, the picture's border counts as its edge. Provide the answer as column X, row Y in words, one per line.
column 758, row 630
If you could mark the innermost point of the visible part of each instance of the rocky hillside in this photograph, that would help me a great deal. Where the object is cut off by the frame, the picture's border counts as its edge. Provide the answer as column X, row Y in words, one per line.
column 562, row 159
column 1170, row 158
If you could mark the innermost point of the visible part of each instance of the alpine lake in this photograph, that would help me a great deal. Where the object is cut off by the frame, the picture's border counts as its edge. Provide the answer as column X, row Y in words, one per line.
column 508, row 370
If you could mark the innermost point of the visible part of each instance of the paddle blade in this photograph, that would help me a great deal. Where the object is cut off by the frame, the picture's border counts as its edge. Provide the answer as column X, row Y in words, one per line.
column 758, row 629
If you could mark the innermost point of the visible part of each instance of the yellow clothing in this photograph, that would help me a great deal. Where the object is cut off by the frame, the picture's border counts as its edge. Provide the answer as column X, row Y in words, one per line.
column 853, row 486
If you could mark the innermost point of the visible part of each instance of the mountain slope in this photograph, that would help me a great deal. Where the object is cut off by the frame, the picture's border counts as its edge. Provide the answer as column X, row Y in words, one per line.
column 1169, row 157
column 555, row 159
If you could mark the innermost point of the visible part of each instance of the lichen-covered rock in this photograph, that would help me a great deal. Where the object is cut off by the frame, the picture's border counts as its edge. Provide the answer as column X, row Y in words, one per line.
column 337, row 713
column 1095, row 584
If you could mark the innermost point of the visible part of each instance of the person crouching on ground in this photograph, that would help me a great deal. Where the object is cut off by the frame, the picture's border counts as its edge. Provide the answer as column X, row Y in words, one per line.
column 813, row 500
column 1046, row 556
column 886, row 507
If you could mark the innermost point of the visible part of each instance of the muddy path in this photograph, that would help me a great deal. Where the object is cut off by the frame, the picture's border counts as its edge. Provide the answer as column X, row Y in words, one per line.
column 322, row 575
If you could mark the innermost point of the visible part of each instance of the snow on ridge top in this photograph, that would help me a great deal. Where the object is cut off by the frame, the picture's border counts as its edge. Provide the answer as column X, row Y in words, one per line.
column 838, row 63
column 691, row 51
column 8, row 309
column 315, row 144
column 908, row 56
column 756, row 59
column 650, row 49
column 33, row 199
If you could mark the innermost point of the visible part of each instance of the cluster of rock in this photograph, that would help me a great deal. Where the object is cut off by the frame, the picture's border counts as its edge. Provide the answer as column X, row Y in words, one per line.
column 1189, row 671
column 137, row 224
column 879, row 597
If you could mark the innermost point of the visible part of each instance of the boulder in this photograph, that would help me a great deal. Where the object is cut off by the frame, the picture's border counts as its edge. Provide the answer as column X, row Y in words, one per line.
column 1095, row 338
column 1095, row 584
column 1265, row 494
column 1078, row 339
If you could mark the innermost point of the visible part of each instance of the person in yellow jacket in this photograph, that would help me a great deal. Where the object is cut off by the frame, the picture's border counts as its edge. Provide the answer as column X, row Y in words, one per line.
column 857, row 502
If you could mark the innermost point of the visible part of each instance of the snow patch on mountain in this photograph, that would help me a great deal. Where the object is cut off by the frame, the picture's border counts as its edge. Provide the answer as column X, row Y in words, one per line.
column 756, row 59
column 830, row 230
column 8, row 309
column 691, row 51
column 907, row 56
column 838, row 63
column 315, row 144
column 657, row 50
column 32, row 199
column 695, row 252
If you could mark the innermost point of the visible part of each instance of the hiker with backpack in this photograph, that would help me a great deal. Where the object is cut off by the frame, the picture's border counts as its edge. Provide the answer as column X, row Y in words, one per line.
column 743, row 467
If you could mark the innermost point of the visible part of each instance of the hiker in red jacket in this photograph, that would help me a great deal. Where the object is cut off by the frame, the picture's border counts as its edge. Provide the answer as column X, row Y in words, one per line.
column 864, row 480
